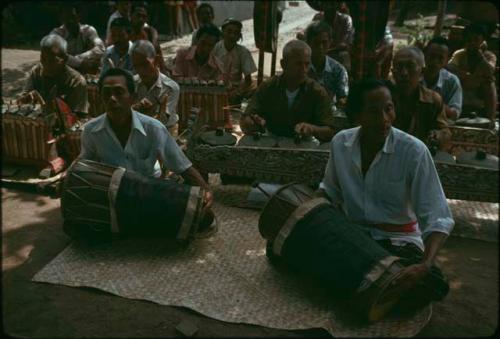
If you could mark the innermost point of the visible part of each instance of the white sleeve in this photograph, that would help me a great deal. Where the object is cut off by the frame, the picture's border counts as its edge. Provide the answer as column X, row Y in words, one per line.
column 88, row 149
column 428, row 199
column 330, row 181
column 169, row 153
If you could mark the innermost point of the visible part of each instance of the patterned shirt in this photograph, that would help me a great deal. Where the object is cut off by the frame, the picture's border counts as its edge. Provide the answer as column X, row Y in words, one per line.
column 311, row 105
column 164, row 86
column 448, row 86
column 148, row 143
column 70, row 85
column 85, row 46
column 236, row 62
column 333, row 78
column 401, row 186
column 187, row 67
column 119, row 61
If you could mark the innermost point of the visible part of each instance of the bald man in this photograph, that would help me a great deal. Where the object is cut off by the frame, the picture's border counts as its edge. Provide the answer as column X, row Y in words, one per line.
column 291, row 104
column 419, row 111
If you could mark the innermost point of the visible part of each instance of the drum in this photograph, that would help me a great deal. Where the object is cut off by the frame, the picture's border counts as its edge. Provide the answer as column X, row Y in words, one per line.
column 210, row 98
column 311, row 237
column 99, row 201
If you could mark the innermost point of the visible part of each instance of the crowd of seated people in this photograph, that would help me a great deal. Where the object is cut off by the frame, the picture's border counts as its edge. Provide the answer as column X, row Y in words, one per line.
column 430, row 87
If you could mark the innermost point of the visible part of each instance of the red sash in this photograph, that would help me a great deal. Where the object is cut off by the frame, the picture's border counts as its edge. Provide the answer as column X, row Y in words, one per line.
column 405, row 228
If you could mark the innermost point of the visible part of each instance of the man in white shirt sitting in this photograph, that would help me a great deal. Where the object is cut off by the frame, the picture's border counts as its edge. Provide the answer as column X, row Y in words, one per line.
column 156, row 94
column 385, row 179
column 126, row 138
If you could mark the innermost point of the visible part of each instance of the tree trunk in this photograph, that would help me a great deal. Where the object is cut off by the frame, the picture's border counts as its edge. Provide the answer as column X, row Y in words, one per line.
column 438, row 27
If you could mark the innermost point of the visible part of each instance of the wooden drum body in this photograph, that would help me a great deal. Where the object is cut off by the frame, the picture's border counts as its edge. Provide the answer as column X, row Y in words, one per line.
column 99, row 200
column 311, row 237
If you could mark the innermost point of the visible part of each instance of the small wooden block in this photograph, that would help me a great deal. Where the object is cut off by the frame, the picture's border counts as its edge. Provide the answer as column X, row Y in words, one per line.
column 187, row 328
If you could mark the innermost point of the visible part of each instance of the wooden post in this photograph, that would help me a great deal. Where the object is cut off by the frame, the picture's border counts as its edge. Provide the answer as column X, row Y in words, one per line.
column 438, row 27
column 260, row 74
column 273, row 63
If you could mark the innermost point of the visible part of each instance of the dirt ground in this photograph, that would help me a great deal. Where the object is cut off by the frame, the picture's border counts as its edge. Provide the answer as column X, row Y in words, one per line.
column 32, row 236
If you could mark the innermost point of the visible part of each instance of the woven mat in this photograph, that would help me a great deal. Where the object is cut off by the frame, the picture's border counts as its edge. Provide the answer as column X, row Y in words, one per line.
column 226, row 277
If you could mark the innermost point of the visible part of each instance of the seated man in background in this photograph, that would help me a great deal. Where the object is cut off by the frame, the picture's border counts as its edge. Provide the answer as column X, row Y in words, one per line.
column 342, row 34
column 126, row 138
column 419, row 111
column 85, row 48
column 156, row 94
column 118, row 54
column 198, row 61
column 437, row 78
column 142, row 31
column 475, row 67
column 122, row 11
column 328, row 72
column 52, row 77
column 291, row 104
column 205, row 14
column 236, row 60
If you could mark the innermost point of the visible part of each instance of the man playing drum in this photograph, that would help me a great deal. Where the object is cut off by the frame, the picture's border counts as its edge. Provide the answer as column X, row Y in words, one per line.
column 291, row 103
column 126, row 138
column 385, row 179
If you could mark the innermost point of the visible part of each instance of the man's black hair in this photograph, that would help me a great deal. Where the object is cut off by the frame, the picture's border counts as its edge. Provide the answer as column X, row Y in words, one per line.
column 203, row 5
column 316, row 28
column 68, row 7
column 138, row 4
column 356, row 97
column 475, row 29
column 442, row 41
column 129, row 78
column 122, row 23
column 210, row 30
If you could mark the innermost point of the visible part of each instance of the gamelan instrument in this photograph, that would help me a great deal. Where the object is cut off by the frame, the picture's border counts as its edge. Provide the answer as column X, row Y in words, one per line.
column 30, row 133
column 311, row 237
column 99, row 201
column 209, row 98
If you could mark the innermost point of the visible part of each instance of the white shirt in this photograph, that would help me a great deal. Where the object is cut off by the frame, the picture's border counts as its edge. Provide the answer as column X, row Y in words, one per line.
column 236, row 62
column 291, row 97
column 164, row 86
column 148, row 143
column 401, row 186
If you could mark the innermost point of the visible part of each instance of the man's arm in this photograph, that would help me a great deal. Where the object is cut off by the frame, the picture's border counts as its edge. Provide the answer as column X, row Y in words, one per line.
column 252, row 121
column 93, row 55
column 440, row 131
column 329, row 186
column 78, row 98
column 430, row 205
column 323, row 118
column 454, row 105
